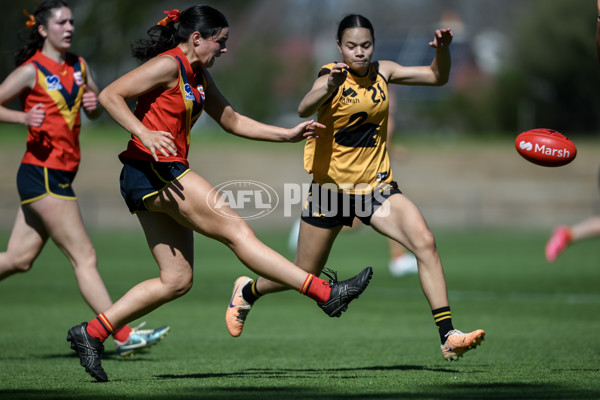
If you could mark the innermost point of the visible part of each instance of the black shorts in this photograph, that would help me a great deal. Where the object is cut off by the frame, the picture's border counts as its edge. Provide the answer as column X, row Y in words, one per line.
column 142, row 179
column 327, row 209
column 35, row 182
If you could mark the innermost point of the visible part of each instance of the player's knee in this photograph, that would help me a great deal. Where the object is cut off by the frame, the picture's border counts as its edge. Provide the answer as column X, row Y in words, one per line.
column 425, row 241
column 83, row 260
column 241, row 236
column 22, row 266
column 17, row 263
column 177, row 286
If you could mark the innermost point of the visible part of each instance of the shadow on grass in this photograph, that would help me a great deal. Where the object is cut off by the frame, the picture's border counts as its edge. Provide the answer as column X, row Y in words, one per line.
column 226, row 386
column 294, row 373
column 107, row 355
column 499, row 391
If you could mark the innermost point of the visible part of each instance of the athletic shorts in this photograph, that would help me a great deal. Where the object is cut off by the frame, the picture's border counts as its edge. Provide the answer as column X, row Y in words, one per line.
column 35, row 182
column 328, row 209
column 142, row 179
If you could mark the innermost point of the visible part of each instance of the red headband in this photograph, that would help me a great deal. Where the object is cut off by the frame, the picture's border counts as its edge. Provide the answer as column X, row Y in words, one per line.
column 31, row 21
column 172, row 16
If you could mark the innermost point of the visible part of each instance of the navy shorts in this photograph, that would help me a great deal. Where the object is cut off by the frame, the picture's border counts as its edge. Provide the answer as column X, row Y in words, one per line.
column 35, row 182
column 142, row 179
column 327, row 209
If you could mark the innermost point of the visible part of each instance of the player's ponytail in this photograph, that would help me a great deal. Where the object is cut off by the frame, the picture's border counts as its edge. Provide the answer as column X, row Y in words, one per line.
column 178, row 27
column 33, row 40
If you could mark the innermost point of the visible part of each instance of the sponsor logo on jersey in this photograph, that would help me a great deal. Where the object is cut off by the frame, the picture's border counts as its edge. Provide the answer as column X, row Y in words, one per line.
column 201, row 91
column 78, row 76
column 349, row 93
column 348, row 96
column 381, row 176
column 189, row 95
column 53, row 82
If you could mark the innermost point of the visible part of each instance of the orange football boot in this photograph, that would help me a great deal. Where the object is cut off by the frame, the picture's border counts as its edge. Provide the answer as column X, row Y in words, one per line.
column 238, row 308
column 458, row 343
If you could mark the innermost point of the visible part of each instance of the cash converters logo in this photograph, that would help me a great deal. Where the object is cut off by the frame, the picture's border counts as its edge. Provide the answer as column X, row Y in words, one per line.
column 242, row 199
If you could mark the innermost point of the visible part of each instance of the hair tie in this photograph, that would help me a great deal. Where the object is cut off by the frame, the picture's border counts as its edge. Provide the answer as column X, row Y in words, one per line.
column 172, row 16
column 31, row 21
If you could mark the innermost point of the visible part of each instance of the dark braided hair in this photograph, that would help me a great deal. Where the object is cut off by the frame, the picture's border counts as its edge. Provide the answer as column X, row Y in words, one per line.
column 35, row 41
column 204, row 19
column 354, row 21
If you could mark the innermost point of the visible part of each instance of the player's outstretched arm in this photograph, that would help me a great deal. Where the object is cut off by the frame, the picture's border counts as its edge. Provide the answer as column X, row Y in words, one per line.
column 231, row 121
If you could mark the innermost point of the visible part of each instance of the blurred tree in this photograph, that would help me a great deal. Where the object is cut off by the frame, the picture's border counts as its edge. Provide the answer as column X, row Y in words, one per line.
column 550, row 80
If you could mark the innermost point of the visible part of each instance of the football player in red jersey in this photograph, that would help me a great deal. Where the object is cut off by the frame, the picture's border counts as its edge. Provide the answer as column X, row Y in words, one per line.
column 54, row 85
column 171, row 201
column 352, row 101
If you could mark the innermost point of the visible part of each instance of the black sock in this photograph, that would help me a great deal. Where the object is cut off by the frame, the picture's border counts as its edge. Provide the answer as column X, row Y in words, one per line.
column 443, row 319
column 250, row 293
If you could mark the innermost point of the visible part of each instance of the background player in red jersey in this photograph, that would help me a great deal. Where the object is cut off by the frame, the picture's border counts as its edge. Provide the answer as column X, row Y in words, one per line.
column 172, row 202
column 352, row 101
column 54, row 85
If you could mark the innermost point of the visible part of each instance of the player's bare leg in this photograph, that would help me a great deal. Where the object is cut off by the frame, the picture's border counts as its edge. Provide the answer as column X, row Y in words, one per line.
column 399, row 219
column 26, row 241
column 311, row 258
column 178, row 211
column 563, row 236
column 64, row 224
column 59, row 219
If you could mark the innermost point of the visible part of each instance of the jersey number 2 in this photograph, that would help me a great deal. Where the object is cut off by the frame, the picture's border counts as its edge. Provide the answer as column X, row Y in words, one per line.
column 357, row 133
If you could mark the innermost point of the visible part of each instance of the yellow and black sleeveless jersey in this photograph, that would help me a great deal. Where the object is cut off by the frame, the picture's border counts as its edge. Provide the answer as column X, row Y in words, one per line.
column 351, row 150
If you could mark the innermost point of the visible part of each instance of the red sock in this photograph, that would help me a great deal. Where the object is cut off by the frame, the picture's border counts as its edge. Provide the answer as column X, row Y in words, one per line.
column 316, row 288
column 100, row 328
column 122, row 334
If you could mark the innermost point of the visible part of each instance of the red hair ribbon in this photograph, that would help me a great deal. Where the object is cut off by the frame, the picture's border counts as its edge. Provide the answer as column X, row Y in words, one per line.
column 31, row 21
column 172, row 16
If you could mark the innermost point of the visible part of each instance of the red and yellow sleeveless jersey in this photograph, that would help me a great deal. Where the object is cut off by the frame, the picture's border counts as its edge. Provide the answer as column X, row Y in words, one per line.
column 351, row 150
column 171, row 110
column 55, row 144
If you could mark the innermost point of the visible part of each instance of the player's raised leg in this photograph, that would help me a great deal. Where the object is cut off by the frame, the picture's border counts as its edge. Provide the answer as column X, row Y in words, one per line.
column 311, row 259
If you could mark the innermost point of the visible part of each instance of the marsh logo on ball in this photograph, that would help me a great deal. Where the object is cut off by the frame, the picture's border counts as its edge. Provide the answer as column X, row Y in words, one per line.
column 242, row 199
column 525, row 145
column 545, row 147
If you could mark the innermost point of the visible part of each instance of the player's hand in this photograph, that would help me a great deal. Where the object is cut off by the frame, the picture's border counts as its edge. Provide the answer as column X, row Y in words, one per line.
column 304, row 130
column 89, row 100
column 159, row 141
column 441, row 39
column 337, row 76
column 36, row 115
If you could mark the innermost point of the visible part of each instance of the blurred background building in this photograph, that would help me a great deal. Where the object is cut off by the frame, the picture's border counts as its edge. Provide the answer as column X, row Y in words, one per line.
column 517, row 65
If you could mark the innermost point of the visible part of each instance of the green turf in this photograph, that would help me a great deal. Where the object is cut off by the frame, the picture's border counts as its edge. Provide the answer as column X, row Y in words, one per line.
column 541, row 320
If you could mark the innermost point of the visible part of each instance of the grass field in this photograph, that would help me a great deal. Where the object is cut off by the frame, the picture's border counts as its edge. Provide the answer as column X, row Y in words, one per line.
column 541, row 321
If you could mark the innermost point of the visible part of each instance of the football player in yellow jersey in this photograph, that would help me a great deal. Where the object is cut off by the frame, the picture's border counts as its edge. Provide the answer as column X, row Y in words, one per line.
column 351, row 170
